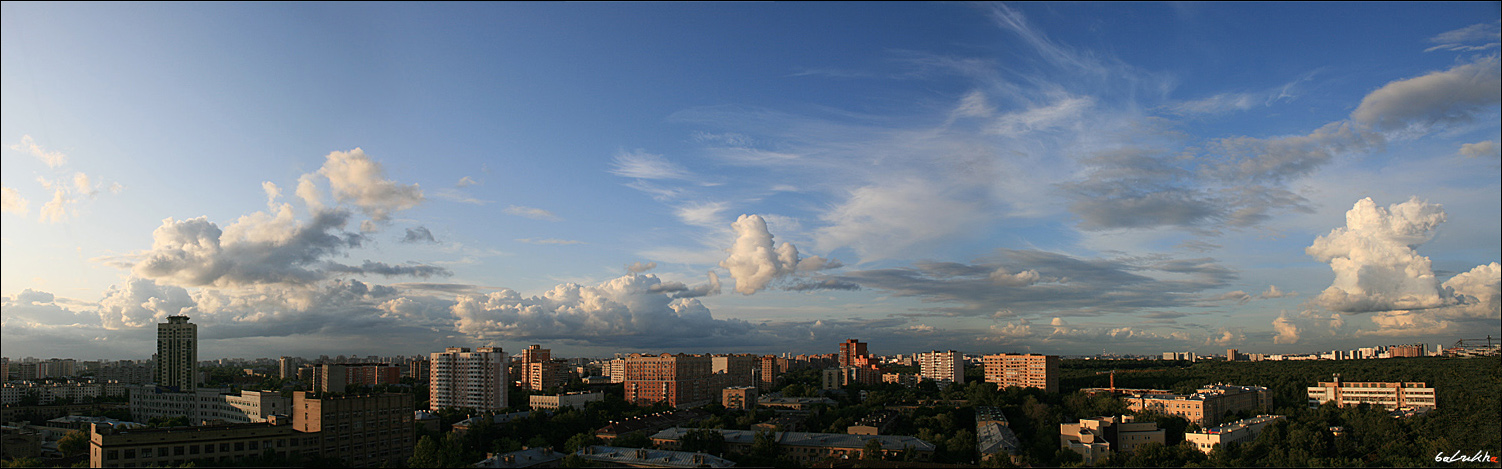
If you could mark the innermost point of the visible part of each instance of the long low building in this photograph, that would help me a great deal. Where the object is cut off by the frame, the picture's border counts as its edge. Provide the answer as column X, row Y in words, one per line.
column 1207, row 405
column 1240, row 431
column 807, row 448
column 166, row 447
column 1393, row 396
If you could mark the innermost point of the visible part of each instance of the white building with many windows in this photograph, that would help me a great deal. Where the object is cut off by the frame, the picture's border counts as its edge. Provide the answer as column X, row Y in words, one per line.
column 461, row 379
column 942, row 366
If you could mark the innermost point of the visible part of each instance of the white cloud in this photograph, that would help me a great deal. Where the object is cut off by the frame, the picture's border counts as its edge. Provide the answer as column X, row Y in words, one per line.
column 533, row 213
column 642, row 165
column 1452, row 96
column 1481, row 149
column 1476, row 37
column 1376, row 267
column 465, row 181
column 639, row 267
column 1012, row 330
column 53, row 159
column 753, row 261
column 11, row 201
column 1274, row 292
column 622, row 309
column 141, row 302
column 883, row 221
column 1020, row 279
column 554, row 241
column 358, row 180
column 1288, row 331
column 1225, row 336
column 706, row 214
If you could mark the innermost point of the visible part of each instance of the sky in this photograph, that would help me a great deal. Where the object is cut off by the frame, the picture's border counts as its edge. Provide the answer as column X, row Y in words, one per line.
column 598, row 178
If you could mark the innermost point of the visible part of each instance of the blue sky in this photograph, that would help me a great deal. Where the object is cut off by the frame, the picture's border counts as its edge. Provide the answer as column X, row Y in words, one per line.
column 311, row 179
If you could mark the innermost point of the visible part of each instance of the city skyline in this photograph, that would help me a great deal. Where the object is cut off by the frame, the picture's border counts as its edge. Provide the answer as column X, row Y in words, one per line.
column 1063, row 179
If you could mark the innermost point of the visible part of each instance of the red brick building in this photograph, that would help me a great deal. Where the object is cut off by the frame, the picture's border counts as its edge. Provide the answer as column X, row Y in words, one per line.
column 679, row 380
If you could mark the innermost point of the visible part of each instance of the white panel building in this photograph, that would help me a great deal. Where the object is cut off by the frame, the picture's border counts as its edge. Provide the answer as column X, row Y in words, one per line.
column 459, row 378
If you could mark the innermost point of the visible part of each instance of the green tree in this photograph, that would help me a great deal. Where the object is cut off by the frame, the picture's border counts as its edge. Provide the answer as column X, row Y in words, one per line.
column 703, row 441
column 633, row 440
column 872, row 450
column 74, row 443
column 580, row 441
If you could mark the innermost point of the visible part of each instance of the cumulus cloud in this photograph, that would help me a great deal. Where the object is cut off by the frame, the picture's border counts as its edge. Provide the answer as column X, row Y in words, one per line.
column 681, row 290
column 1481, row 149
column 1288, row 331
column 1020, row 279
column 358, row 180
column 259, row 248
column 11, row 201
column 140, row 302
column 533, row 213
column 1225, row 336
column 1273, row 292
column 419, row 235
column 753, row 262
column 53, row 159
column 621, row 309
column 1376, row 266
column 639, row 267
column 1012, row 330
column 1453, row 96
column 34, row 297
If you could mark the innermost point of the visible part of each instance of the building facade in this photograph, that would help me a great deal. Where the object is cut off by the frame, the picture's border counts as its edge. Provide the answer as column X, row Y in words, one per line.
column 738, row 397
column 1240, row 431
column 1205, row 407
column 942, row 366
column 853, row 351
column 1392, row 396
column 475, row 380
column 1023, row 370
column 205, row 446
column 679, row 380
column 364, row 431
column 559, row 401
column 177, row 354
column 1094, row 439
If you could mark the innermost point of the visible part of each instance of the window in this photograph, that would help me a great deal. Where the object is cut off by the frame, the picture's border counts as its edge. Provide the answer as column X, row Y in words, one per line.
column 193, row 449
column 239, row 446
column 255, row 445
column 130, row 454
column 177, row 450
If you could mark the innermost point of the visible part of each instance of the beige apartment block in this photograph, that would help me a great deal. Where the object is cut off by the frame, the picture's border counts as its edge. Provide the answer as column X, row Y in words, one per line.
column 1023, row 370
column 1392, row 396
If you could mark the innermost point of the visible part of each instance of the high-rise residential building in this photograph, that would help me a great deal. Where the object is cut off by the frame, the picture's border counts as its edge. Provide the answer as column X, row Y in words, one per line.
column 417, row 369
column 1232, row 355
column 1402, row 351
column 539, row 376
column 287, row 368
column 177, row 354
column 1393, row 396
column 364, row 431
column 1023, row 370
column 735, row 370
column 536, row 354
column 942, row 366
column 618, row 370
column 679, row 380
column 851, row 352
column 459, row 378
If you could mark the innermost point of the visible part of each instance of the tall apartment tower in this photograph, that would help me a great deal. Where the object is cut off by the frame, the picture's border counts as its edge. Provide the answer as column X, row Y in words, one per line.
column 1023, row 370
column 459, row 378
column 942, row 366
column 851, row 351
column 177, row 354
column 679, row 380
